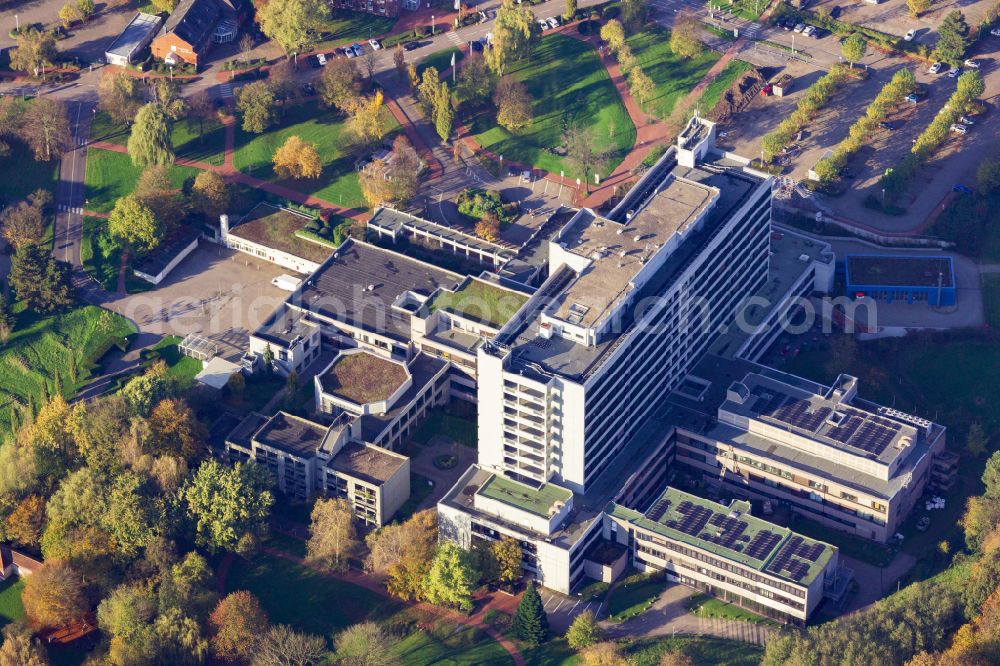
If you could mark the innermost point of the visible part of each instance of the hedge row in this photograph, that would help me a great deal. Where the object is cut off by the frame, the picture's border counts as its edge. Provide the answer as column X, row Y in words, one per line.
column 892, row 94
column 816, row 98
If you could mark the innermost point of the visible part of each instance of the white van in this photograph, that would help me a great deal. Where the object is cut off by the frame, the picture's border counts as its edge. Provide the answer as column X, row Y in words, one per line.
column 286, row 282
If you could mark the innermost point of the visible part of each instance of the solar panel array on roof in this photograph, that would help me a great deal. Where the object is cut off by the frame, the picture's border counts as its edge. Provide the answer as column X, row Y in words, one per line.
column 659, row 509
column 693, row 519
column 793, row 558
column 729, row 533
column 762, row 544
column 798, row 414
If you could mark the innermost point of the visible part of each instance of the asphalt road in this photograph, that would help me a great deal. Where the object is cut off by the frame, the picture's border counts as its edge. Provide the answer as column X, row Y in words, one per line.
column 69, row 196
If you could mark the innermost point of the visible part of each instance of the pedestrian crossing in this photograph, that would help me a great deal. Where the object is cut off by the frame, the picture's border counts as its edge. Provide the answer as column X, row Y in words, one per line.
column 226, row 90
column 453, row 37
column 751, row 30
column 63, row 208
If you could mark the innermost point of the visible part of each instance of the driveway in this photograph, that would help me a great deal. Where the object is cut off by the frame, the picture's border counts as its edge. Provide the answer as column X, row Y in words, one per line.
column 562, row 609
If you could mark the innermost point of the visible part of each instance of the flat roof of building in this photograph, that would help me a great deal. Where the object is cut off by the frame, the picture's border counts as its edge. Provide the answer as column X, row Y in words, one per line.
column 394, row 220
column 618, row 251
column 873, row 270
column 243, row 433
column 363, row 377
column 423, row 369
column 544, row 501
column 358, row 284
column 366, row 462
column 292, row 434
column 284, row 325
column 156, row 261
column 822, row 417
column 694, row 406
column 138, row 30
column 274, row 227
column 733, row 534
column 480, row 301
column 530, row 352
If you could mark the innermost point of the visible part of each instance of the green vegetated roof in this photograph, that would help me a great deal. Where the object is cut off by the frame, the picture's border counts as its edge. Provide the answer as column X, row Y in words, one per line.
column 754, row 527
column 276, row 228
column 524, row 497
column 363, row 377
column 480, row 301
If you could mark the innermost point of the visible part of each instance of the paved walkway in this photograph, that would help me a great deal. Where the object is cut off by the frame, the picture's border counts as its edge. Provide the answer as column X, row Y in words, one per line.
column 669, row 615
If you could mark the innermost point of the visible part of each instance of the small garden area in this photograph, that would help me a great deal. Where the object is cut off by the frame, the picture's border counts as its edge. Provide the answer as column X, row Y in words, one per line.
column 633, row 596
column 440, row 421
column 569, row 86
column 180, row 367
column 11, row 608
column 345, row 26
column 705, row 605
column 338, row 183
column 480, row 301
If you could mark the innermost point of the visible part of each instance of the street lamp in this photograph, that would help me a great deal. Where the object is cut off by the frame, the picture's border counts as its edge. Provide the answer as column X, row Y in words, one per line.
column 432, row 25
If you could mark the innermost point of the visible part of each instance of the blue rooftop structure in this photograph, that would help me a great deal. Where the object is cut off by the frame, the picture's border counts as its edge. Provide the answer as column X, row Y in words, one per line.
column 891, row 278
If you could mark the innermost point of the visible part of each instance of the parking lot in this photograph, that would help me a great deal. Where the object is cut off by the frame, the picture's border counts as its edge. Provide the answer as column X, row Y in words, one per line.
column 215, row 292
column 562, row 609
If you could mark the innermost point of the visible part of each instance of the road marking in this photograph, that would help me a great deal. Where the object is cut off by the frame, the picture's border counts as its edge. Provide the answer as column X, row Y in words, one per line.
column 226, row 90
column 560, row 605
column 454, row 38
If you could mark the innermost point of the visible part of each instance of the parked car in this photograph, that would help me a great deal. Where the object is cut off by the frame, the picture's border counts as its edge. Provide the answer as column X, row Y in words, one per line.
column 349, row 52
column 835, row 11
column 966, row 120
column 935, row 68
column 818, row 33
column 375, row 44
column 958, row 128
column 789, row 24
column 552, row 21
column 808, row 30
column 913, row 98
column 962, row 189
column 971, row 64
column 953, row 73
column 476, row 45
column 908, row 37
column 543, row 25
column 799, row 27
column 409, row 46
column 888, row 125
column 358, row 50
column 321, row 59
column 995, row 32
column 340, row 51
column 314, row 62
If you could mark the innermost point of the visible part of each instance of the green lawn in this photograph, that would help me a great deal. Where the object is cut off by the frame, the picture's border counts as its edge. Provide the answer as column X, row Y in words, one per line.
column 11, row 608
column 345, row 26
column 704, row 605
column 569, row 86
column 111, row 175
column 44, row 347
column 21, row 174
column 441, row 60
column 100, row 256
column 481, row 301
column 312, row 602
column 205, row 144
column 991, row 298
column 181, row 367
column 440, row 422
column 703, row 650
column 674, row 76
column 713, row 92
column 633, row 596
column 338, row 183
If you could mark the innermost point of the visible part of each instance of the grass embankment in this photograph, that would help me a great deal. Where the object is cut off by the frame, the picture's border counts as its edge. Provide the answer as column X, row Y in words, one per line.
column 674, row 76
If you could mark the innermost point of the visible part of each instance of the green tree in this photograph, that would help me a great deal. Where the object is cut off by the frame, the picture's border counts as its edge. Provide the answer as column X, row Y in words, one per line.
column 257, row 104
column 854, row 48
column 970, row 86
column 991, row 475
column 7, row 319
column 684, row 40
column 988, row 175
column 86, row 9
column 953, row 38
column 20, row 649
column 452, row 577
column 226, row 503
column 975, row 441
column 332, row 537
column 155, row 190
column 513, row 104
column 365, row 644
column 570, row 12
column 507, row 554
column 40, row 280
column 918, row 7
column 210, row 195
column 580, row 150
column 120, row 95
column 35, row 50
column 530, row 622
column 69, row 14
column 583, row 632
column 143, row 393
column 149, row 142
column 634, row 14
column 291, row 23
column 515, row 31
column 134, row 225
column 444, row 114
column 235, row 625
column 130, row 519
column 613, row 34
column 475, row 80
column 339, row 84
